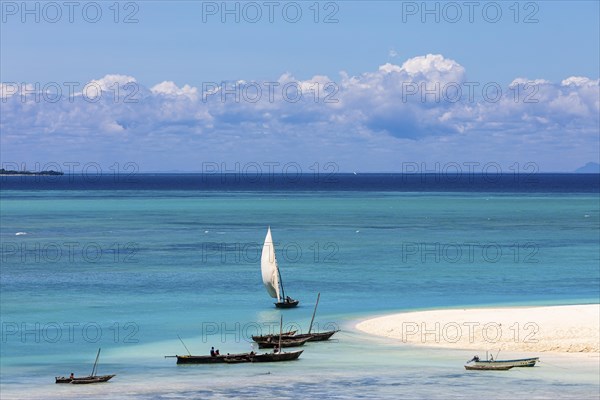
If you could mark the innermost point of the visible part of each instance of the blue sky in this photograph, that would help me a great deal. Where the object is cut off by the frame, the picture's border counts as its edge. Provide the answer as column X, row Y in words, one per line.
column 374, row 55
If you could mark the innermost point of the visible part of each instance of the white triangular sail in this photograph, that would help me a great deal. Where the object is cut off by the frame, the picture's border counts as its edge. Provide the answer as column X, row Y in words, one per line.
column 269, row 269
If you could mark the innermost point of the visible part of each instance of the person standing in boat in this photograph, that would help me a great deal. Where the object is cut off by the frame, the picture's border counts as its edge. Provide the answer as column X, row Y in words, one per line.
column 212, row 352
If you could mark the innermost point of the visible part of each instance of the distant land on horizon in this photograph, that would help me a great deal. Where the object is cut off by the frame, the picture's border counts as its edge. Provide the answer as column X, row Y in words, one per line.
column 15, row 172
column 589, row 168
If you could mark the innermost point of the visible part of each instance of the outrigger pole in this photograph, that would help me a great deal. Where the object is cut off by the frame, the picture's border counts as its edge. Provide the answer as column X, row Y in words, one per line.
column 189, row 354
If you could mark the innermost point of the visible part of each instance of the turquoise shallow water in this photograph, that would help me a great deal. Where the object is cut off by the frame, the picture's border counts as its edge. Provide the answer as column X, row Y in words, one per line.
column 128, row 271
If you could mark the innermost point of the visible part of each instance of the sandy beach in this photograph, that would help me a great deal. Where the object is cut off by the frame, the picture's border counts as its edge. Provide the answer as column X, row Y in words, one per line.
column 562, row 329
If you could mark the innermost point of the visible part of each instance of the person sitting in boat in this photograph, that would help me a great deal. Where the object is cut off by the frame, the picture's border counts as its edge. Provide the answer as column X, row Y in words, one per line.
column 491, row 357
column 476, row 358
column 217, row 352
column 288, row 299
column 212, row 352
column 275, row 349
column 72, row 376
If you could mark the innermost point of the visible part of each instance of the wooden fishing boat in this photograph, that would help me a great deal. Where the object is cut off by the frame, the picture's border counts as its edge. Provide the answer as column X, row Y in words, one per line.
column 317, row 337
column 92, row 378
column 275, row 342
column 519, row 362
column 284, row 335
column 279, row 356
column 239, row 358
column 189, row 359
column 271, row 275
column 488, row 367
column 84, row 379
column 275, row 356
column 310, row 336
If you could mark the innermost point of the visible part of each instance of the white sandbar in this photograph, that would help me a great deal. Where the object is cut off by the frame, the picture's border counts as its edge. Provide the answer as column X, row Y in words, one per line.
column 566, row 329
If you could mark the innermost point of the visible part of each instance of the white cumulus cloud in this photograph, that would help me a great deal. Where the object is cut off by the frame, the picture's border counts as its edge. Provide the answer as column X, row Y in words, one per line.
column 384, row 109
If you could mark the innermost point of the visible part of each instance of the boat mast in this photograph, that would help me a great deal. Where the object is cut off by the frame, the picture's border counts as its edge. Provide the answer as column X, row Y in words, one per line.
column 96, row 362
column 314, row 312
column 280, row 332
column 281, row 284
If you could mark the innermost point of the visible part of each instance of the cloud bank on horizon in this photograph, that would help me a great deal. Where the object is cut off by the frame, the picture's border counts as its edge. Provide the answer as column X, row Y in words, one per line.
column 425, row 111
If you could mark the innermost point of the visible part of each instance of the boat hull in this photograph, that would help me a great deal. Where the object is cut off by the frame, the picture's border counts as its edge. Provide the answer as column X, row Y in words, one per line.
column 312, row 337
column 85, row 380
column 519, row 363
column 287, row 304
column 240, row 358
column 292, row 342
column 317, row 337
column 208, row 359
column 284, row 335
column 275, row 357
column 237, row 360
column 488, row 367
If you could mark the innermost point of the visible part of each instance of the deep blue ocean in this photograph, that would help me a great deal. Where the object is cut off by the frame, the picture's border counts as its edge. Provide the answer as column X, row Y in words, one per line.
column 128, row 262
column 263, row 180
